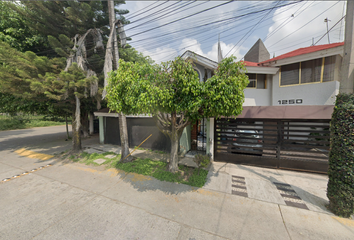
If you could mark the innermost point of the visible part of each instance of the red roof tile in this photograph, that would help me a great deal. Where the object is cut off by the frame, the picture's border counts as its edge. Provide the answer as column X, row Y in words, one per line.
column 250, row 64
column 305, row 50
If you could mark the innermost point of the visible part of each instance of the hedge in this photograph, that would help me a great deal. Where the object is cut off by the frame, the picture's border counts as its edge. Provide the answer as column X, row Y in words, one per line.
column 340, row 189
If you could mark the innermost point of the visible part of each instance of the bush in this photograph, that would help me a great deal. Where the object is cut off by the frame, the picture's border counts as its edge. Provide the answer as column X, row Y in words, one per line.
column 340, row 189
column 202, row 160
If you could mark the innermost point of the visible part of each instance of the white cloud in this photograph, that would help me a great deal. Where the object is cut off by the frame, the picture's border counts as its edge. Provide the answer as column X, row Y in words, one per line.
column 194, row 46
column 191, row 45
column 160, row 54
column 303, row 37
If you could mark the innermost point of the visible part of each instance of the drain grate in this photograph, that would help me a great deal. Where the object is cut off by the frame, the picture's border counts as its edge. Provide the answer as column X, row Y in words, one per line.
column 239, row 186
column 25, row 173
column 290, row 196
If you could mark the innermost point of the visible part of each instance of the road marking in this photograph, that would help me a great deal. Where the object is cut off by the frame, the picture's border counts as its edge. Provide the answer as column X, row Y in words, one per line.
column 345, row 221
column 30, row 154
column 25, row 173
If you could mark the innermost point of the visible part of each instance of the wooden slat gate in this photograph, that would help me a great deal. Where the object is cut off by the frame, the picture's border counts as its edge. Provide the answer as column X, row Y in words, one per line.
column 287, row 144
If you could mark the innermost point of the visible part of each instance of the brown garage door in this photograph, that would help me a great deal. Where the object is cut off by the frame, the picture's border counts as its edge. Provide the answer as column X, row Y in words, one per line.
column 288, row 144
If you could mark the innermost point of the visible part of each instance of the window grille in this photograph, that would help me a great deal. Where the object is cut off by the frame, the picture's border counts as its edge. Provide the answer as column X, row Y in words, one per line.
column 328, row 72
column 290, row 74
column 311, row 71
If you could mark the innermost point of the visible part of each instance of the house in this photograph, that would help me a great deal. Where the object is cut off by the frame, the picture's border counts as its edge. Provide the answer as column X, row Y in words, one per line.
column 288, row 105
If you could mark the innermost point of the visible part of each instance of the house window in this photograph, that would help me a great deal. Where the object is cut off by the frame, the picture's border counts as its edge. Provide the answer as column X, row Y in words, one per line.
column 253, row 80
column 289, row 74
column 256, row 80
column 199, row 75
column 312, row 71
column 328, row 71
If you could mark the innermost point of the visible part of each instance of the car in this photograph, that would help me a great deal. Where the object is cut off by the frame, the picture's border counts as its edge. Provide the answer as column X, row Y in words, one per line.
column 244, row 139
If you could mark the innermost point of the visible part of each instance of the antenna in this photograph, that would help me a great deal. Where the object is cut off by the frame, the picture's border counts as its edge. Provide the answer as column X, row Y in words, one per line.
column 326, row 21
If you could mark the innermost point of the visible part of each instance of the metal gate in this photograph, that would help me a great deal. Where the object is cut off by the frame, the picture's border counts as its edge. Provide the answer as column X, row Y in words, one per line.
column 287, row 144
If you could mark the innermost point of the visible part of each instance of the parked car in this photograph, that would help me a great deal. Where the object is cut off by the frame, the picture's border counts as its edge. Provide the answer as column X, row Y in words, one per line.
column 248, row 138
column 242, row 139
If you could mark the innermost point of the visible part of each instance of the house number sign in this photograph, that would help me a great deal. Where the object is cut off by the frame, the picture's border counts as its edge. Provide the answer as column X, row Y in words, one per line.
column 290, row 101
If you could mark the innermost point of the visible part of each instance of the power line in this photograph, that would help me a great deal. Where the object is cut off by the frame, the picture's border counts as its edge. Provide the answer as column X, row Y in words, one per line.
column 159, row 17
column 154, row 13
column 252, row 29
column 147, row 9
column 292, row 17
column 205, row 10
column 329, row 30
column 210, row 23
column 305, row 24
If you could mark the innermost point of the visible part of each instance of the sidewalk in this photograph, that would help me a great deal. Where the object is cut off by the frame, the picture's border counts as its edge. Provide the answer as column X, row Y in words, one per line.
column 74, row 201
column 299, row 197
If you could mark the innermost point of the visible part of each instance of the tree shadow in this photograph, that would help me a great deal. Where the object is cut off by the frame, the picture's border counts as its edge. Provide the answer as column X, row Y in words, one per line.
column 305, row 195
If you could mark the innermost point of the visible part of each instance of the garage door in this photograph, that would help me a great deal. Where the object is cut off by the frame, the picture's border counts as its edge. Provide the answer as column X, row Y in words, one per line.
column 287, row 144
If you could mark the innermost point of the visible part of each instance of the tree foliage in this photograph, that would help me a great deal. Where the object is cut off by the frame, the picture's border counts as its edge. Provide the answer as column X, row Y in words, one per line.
column 18, row 70
column 340, row 190
column 173, row 94
column 16, row 31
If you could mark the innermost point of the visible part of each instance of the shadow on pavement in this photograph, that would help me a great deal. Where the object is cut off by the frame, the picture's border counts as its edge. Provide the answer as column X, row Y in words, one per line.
column 313, row 199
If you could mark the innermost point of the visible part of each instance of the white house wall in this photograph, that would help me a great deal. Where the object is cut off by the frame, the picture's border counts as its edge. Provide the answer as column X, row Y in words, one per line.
column 310, row 94
column 201, row 69
column 259, row 97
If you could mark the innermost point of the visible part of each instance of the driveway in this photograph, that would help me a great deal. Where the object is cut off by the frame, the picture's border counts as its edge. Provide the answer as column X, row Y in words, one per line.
column 74, row 201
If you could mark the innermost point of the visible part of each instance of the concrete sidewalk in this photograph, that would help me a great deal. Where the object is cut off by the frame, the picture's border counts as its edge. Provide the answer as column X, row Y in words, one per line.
column 75, row 201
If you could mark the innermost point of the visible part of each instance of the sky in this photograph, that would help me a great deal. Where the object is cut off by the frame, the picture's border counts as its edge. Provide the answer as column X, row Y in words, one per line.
column 164, row 30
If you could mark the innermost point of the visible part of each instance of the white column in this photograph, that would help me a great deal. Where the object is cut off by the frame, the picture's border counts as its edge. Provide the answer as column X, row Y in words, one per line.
column 91, row 123
column 211, row 138
column 101, row 130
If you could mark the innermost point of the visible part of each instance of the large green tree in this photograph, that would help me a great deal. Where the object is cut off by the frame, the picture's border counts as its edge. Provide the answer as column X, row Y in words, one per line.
column 173, row 94
column 70, row 86
column 18, row 69
column 16, row 31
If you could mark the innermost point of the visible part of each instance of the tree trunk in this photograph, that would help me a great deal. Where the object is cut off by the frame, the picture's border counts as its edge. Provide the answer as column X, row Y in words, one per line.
column 85, row 125
column 67, row 128
column 76, row 126
column 124, row 143
column 173, row 166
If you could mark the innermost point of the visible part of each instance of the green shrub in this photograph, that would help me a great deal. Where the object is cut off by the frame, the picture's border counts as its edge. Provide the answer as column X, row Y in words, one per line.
column 202, row 160
column 340, row 189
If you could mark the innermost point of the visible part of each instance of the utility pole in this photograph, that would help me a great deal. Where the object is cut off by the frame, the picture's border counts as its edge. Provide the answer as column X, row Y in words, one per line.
column 326, row 21
column 347, row 70
column 123, row 130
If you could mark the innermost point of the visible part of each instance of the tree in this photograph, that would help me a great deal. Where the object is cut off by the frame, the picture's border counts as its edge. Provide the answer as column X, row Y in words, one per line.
column 18, row 69
column 70, row 86
column 15, row 31
column 172, row 93
column 340, row 188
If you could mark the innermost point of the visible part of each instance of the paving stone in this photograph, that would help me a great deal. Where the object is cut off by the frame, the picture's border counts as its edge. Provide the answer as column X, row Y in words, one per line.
column 100, row 161
column 188, row 162
column 111, row 156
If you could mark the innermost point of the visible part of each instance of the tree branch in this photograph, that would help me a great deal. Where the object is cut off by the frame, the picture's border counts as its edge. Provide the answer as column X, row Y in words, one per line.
column 165, row 131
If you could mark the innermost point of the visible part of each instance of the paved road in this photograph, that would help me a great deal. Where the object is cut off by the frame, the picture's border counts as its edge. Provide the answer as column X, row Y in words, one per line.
column 74, row 201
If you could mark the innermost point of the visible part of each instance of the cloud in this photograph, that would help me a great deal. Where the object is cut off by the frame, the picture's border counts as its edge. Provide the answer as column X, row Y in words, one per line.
column 194, row 46
column 303, row 14
column 160, row 54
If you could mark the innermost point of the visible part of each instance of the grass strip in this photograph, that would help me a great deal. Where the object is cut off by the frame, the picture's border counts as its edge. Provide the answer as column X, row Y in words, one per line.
column 195, row 177
column 190, row 176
